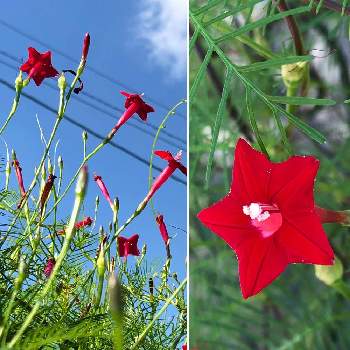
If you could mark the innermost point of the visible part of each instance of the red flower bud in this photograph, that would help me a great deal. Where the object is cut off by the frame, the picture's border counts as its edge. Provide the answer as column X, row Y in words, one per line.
column 103, row 189
column 19, row 176
column 38, row 66
column 86, row 46
column 164, row 233
column 162, row 228
column 46, row 191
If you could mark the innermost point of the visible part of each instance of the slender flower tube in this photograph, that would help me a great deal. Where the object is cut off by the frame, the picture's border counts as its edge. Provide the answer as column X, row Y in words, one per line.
column 333, row 216
column 38, row 66
column 46, row 191
column 128, row 246
column 269, row 217
column 173, row 164
column 164, row 233
column 133, row 104
column 79, row 225
column 103, row 189
column 50, row 264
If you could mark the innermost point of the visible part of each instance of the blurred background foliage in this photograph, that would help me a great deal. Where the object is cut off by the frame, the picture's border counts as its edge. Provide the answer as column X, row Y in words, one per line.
column 237, row 49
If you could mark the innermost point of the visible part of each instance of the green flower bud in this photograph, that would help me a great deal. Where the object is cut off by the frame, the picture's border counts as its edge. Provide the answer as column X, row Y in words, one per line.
column 19, row 82
column 101, row 262
column 62, row 83
column 49, row 166
column 80, row 188
column 329, row 274
column 60, row 162
column 293, row 74
column 22, row 272
column 85, row 136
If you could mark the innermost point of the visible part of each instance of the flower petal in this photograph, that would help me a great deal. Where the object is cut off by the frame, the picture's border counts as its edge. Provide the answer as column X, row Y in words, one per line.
column 251, row 174
column 260, row 262
column 292, row 183
column 226, row 219
column 166, row 155
column 304, row 240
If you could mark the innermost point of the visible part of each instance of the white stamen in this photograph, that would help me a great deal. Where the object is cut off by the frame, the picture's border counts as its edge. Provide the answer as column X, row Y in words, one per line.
column 253, row 210
column 263, row 216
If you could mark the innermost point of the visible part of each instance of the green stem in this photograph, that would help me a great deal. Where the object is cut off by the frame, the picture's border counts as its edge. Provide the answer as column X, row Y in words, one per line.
column 161, row 126
column 65, row 248
column 99, row 290
column 142, row 336
column 14, row 107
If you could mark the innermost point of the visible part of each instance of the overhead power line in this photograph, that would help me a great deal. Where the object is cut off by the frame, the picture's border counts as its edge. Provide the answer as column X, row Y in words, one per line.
column 90, row 131
column 88, row 67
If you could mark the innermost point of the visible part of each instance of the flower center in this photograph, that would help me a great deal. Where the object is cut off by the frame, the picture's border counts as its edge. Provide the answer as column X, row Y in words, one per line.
column 266, row 218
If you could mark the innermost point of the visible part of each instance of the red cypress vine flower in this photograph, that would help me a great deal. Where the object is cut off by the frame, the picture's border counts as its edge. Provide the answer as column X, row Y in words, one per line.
column 38, row 66
column 46, row 191
column 19, row 176
column 128, row 246
column 184, row 347
column 79, row 225
column 268, row 218
column 103, row 189
column 173, row 164
column 50, row 264
column 133, row 104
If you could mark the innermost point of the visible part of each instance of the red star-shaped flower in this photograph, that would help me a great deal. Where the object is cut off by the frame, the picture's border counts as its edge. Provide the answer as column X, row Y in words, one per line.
column 38, row 66
column 268, row 218
column 128, row 246
column 173, row 164
column 142, row 107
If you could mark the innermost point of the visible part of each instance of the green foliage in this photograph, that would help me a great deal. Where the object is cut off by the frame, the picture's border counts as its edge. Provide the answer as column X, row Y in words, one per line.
column 237, row 91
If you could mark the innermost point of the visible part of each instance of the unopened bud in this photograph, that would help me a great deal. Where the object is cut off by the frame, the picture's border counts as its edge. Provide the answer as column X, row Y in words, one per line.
column 293, row 74
column 19, row 82
column 86, row 46
column 101, row 262
column 80, row 188
column 60, row 162
column 329, row 274
column 85, row 136
column 49, row 166
column 62, row 83
column 22, row 272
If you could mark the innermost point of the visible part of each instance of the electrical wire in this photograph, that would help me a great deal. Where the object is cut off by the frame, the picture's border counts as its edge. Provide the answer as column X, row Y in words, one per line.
column 105, row 103
column 90, row 131
column 90, row 68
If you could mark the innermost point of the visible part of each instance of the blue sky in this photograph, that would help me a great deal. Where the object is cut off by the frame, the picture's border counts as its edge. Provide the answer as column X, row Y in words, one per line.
column 129, row 51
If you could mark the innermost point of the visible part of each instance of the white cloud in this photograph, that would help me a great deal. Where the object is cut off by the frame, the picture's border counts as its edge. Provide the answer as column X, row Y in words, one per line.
column 162, row 24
